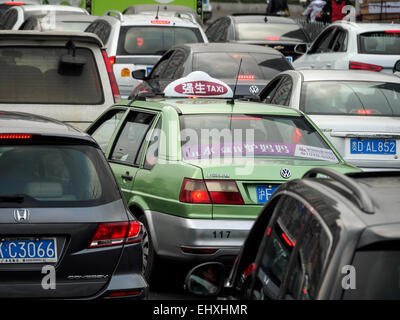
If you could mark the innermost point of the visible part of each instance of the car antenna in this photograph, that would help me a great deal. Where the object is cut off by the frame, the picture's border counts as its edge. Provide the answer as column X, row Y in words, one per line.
column 232, row 101
column 158, row 9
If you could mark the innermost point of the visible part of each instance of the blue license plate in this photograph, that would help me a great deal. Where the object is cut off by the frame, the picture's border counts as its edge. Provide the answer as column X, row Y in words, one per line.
column 265, row 192
column 148, row 70
column 28, row 251
column 372, row 146
column 290, row 59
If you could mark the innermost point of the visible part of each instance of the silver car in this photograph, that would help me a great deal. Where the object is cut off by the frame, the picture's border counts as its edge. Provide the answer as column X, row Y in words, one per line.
column 138, row 41
column 359, row 111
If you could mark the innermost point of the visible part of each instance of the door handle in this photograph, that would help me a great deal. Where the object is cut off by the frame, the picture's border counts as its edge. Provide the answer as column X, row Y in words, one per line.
column 127, row 176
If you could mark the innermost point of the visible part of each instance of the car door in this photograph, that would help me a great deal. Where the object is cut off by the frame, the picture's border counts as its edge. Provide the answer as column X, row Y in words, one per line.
column 319, row 52
column 126, row 152
column 277, row 250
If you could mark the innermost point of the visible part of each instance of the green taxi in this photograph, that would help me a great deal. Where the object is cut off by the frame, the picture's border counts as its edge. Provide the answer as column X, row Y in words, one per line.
column 197, row 171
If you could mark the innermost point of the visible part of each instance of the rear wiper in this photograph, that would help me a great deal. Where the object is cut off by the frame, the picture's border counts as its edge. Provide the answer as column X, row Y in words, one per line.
column 12, row 198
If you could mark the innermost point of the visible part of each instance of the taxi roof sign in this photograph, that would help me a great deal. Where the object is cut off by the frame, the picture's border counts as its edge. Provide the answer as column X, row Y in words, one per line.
column 198, row 84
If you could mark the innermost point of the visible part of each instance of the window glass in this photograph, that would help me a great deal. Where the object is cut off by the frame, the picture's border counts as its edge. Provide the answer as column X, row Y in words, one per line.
column 340, row 43
column 282, row 93
column 134, row 40
column 175, row 62
column 322, row 43
column 8, row 20
column 158, row 71
column 269, row 31
column 361, row 98
column 131, row 137
column 37, row 75
column 380, row 42
column 106, row 127
column 225, row 65
column 210, row 136
column 152, row 149
column 211, row 31
column 55, row 175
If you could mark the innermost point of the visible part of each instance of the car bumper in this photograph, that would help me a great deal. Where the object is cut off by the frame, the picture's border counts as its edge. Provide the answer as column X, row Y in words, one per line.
column 172, row 235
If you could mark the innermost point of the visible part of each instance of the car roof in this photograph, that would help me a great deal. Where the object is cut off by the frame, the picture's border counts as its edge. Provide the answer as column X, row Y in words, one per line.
column 212, row 106
column 74, row 17
column 345, row 75
column 228, row 47
column 26, row 123
column 248, row 18
column 361, row 27
column 48, row 7
column 25, row 35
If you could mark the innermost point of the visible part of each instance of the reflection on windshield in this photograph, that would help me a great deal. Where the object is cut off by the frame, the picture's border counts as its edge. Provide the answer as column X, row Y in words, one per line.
column 268, row 31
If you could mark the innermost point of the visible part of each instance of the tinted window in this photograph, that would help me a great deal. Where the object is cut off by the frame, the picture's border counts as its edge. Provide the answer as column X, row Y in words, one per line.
column 36, row 75
column 105, row 128
column 158, row 70
column 377, row 273
column 101, row 28
column 175, row 66
column 340, row 42
column 131, row 137
column 321, row 45
column 379, row 42
column 55, row 175
column 8, row 20
column 255, row 66
column 152, row 149
column 154, row 40
column 268, row 31
column 350, row 97
column 250, row 135
column 282, row 93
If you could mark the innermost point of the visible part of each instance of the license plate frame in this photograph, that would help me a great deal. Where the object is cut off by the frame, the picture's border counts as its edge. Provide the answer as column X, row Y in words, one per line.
column 265, row 192
column 378, row 147
column 18, row 258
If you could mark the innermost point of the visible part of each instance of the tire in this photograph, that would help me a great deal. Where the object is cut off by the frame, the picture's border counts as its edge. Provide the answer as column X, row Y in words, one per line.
column 149, row 255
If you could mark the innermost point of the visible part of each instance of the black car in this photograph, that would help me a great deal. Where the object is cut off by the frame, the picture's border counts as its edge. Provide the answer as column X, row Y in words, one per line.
column 326, row 237
column 280, row 33
column 66, row 231
column 258, row 65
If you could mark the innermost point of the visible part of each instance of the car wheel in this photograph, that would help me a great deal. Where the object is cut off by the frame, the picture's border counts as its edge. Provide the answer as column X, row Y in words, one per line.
column 148, row 253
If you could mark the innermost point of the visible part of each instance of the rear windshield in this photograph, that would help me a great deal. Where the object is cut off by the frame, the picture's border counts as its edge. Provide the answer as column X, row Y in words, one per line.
column 54, row 175
column 384, row 42
column 255, row 66
column 37, row 75
column 232, row 135
column 268, row 31
column 154, row 40
column 351, row 97
column 65, row 25
column 376, row 274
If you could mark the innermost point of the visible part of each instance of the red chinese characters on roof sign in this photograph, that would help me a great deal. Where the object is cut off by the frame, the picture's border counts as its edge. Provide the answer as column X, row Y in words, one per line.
column 201, row 88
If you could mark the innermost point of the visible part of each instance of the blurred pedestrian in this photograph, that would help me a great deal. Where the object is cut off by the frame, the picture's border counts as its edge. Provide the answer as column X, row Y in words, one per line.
column 314, row 10
column 334, row 9
column 278, row 8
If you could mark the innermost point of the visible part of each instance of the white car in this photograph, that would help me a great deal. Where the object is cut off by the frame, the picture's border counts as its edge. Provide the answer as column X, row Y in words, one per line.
column 348, row 45
column 15, row 16
column 136, row 42
column 359, row 111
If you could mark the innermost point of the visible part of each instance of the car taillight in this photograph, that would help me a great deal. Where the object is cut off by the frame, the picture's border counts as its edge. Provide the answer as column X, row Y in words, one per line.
column 111, row 76
column 15, row 136
column 112, row 60
column 362, row 111
column 116, row 233
column 364, row 66
column 210, row 191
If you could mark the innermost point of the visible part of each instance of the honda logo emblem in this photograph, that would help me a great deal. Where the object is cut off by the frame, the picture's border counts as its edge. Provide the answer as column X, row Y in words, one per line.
column 21, row 215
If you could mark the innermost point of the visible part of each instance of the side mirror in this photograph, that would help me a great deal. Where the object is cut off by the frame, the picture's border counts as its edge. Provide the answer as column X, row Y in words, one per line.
column 139, row 74
column 206, row 279
column 301, row 48
column 396, row 67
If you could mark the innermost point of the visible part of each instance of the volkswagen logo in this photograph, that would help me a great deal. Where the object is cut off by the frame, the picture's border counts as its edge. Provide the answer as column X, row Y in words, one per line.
column 21, row 215
column 254, row 90
column 285, row 173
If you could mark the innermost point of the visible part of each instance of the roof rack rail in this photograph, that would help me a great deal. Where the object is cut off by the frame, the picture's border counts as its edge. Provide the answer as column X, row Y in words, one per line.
column 114, row 13
column 364, row 201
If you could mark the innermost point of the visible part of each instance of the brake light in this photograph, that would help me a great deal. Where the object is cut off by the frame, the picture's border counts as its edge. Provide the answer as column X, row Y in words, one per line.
column 116, row 233
column 111, row 76
column 392, row 31
column 210, row 191
column 15, row 136
column 273, row 38
column 364, row 66
column 224, row 192
column 160, row 21
column 14, row 3
column 246, row 77
column 364, row 111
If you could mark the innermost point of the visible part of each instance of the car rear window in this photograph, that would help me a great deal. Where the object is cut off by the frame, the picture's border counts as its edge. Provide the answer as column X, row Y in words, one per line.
column 269, row 32
column 54, row 175
column 248, row 135
column 382, row 42
column 37, row 75
column 225, row 65
column 149, row 40
column 376, row 273
column 65, row 25
column 351, row 97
